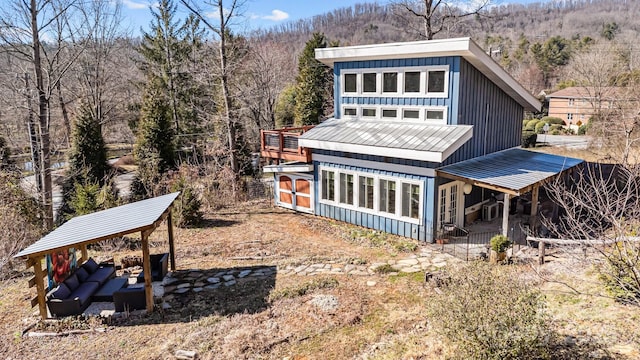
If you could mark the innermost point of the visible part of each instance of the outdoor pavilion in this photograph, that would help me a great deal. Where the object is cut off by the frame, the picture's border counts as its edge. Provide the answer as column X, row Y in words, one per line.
column 142, row 216
column 513, row 172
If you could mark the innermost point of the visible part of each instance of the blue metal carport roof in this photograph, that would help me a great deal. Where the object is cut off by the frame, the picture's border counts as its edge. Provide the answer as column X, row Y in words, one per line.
column 514, row 171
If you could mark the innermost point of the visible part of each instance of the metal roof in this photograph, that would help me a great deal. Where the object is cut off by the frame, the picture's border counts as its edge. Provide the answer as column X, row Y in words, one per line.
column 105, row 224
column 416, row 141
column 514, row 171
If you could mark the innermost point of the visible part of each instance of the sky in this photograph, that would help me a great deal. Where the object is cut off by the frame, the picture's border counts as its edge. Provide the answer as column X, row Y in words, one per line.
column 257, row 13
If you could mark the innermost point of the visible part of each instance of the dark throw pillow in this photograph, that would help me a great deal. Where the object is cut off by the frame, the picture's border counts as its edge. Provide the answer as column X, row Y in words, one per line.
column 61, row 292
column 91, row 265
column 72, row 282
column 82, row 274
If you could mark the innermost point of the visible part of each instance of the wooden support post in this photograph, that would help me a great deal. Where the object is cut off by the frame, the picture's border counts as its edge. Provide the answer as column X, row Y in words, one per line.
column 505, row 215
column 534, row 208
column 85, row 253
column 37, row 269
column 541, row 247
column 146, row 268
column 172, row 249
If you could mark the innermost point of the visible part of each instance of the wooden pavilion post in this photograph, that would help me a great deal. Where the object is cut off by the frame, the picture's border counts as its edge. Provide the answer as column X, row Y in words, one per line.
column 172, row 252
column 505, row 214
column 39, row 275
column 534, row 208
column 146, row 268
column 85, row 253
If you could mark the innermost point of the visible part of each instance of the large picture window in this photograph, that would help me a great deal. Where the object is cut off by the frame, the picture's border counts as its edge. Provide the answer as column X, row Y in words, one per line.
column 406, row 81
column 387, row 196
column 346, row 189
column 366, row 192
column 369, row 82
column 436, row 81
column 412, row 82
column 328, row 185
column 393, row 197
column 350, row 83
column 390, row 82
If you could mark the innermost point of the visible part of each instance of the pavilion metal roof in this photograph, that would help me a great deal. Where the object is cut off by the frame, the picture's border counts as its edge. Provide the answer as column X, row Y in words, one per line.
column 514, row 171
column 105, row 224
column 407, row 140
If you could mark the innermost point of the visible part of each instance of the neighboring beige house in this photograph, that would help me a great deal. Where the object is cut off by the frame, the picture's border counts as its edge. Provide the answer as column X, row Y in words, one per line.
column 575, row 105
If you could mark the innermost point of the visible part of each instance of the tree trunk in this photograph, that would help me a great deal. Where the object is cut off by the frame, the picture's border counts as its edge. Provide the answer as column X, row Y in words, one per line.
column 43, row 125
column 231, row 128
column 65, row 114
column 34, row 142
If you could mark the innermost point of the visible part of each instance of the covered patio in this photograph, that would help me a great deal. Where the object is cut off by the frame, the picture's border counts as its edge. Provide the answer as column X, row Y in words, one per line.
column 511, row 173
column 142, row 216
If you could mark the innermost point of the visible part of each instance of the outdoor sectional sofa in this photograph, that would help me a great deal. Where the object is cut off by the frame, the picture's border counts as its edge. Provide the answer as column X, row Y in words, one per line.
column 73, row 295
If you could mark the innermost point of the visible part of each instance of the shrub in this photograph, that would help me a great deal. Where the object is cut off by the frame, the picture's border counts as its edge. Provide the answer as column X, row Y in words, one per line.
column 620, row 272
column 531, row 125
column 552, row 120
column 486, row 313
column 188, row 206
column 539, row 127
column 529, row 139
column 500, row 243
column 582, row 130
column 555, row 127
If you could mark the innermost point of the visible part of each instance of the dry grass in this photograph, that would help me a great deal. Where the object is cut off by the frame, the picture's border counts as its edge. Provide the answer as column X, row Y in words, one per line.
column 251, row 321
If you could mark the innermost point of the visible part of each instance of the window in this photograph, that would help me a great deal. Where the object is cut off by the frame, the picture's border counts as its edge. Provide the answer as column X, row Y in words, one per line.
column 410, row 200
column 435, row 115
column 389, row 113
column 369, row 82
column 388, row 196
column 368, row 112
column 412, row 82
column 365, row 192
column 570, row 102
column 411, row 114
column 350, row 83
column 436, row 81
column 350, row 112
column 346, row 189
column 569, row 116
column 390, row 82
column 328, row 185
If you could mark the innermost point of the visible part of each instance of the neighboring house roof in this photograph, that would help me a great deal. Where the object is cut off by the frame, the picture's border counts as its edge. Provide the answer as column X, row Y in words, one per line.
column 105, row 224
column 585, row 92
column 513, row 171
column 416, row 141
column 463, row 47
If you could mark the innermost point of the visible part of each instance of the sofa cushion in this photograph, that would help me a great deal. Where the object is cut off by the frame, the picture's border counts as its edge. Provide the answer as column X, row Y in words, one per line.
column 102, row 275
column 91, row 266
column 72, row 282
column 61, row 292
column 84, row 292
column 82, row 274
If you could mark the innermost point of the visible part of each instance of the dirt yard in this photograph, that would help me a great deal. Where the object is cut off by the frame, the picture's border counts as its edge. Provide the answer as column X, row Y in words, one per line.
column 345, row 311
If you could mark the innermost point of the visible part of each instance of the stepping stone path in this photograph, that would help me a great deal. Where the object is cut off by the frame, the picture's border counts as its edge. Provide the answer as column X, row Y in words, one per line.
column 182, row 282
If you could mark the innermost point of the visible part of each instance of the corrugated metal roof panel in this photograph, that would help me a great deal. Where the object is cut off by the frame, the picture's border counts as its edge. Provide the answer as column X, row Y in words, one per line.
column 102, row 224
column 394, row 135
column 514, row 169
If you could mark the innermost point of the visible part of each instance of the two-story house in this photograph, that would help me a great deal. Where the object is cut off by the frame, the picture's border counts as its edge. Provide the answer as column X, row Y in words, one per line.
column 575, row 105
column 423, row 134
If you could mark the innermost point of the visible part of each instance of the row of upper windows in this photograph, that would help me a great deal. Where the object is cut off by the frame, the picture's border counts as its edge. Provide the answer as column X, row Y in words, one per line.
column 429, row 81
column 395, row 197
column 431, row 114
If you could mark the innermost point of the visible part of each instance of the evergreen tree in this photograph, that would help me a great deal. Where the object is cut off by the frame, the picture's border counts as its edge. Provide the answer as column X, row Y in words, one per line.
column 155, row 150
column 311, row 82
column 168, row 50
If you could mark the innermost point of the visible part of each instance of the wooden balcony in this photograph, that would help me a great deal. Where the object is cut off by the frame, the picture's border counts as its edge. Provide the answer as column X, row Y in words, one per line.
column 282, row 144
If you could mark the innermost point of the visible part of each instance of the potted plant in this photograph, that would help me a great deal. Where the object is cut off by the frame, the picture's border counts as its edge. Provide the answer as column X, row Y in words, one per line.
column 499, row 245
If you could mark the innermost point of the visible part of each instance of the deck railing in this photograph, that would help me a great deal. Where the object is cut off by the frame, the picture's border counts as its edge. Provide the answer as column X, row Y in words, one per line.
column 282, row 144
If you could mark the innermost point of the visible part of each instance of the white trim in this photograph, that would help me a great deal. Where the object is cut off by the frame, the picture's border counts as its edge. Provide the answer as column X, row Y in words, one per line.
column 463, row 47
column 376, row 194
column 374, row 165
column 400, row 71
column 288, row 168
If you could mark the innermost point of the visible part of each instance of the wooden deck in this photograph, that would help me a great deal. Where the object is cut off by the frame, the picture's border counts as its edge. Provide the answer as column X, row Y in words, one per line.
column 282, row 144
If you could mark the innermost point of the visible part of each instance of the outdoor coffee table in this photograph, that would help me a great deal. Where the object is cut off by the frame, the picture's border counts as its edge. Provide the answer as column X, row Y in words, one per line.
column 105, row 293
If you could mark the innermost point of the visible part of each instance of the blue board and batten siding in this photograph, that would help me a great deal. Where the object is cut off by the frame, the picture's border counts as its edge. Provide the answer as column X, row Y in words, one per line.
column 422, row 231
column 496, row 117
column 452, row 61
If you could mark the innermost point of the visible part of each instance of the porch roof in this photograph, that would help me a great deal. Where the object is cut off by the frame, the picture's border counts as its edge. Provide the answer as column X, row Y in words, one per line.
column 406, row 140
column 513, row 171
column 118, row 221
